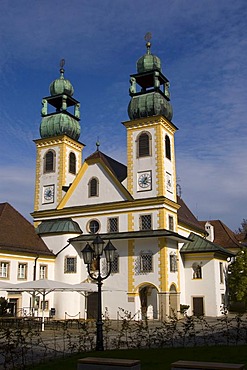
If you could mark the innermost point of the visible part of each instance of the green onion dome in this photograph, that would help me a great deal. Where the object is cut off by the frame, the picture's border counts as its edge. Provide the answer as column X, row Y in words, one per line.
column 60, row 124
column 148, row 62
column 61, row 86
column 149, row 104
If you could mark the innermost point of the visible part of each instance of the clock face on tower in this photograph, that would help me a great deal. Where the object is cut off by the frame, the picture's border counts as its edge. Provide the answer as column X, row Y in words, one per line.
column 48, row 194
column 144, row 180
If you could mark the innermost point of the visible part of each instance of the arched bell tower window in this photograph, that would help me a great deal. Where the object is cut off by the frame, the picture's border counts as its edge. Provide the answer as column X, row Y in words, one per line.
column 49, row 161
column 72, row 163
column 168, row 147
column 93, row 187
column 144, row 144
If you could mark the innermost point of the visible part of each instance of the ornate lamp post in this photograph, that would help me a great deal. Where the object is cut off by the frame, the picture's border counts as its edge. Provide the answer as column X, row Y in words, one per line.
column 95, row 252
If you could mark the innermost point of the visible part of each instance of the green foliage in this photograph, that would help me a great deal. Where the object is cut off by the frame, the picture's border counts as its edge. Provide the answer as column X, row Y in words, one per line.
column 243, row 227
column 238, row 277
column 184, row 308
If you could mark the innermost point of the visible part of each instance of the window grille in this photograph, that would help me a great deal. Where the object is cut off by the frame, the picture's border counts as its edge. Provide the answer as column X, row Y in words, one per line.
column 115, row 264
column 22, row 271
column 49, row 161
column 4, row 269
column 145, row 222
column 143, row 145
column 171, row 223
column 70, row 265
column 43, row 272
column 146, row 262
column 112, row 225
column 168, row 147
column 173, row 263
column 72, row 163
column 93, row 187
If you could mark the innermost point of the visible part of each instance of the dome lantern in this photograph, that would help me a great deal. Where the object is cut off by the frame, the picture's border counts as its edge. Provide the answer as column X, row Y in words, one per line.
column 151, row 100
column 62, row 121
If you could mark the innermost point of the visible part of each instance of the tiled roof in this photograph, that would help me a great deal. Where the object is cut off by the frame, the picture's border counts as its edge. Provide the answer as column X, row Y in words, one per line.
column 200, row 245
column 119, row 169
column 186, row 216
column 17, row 234
column 222, row 234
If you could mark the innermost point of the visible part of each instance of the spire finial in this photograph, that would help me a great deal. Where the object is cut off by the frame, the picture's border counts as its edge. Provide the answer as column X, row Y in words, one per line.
column 147, row 38
column 62, row 63
column 97, row 144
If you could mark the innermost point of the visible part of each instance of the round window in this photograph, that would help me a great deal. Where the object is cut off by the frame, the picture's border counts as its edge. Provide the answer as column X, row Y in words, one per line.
column 93, row 226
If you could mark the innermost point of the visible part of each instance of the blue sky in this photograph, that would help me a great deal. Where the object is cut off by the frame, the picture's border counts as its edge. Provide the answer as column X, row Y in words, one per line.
column 203, row 48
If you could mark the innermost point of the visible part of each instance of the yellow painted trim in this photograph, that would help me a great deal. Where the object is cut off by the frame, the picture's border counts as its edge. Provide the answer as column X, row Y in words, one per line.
column 150, row 203
column 37, row 179
column 173, row 156
column 24, row 256
column 143, row 122
column 160, row 166
column 130, row 222
column 63, row 143
column 162, row 222
column 61, row 171
column 73, row 186
column 131, row 294
column 131, row 152
column 163, row 265
column 131, row 253
column 145, row 283
column 125, row 206
column 82, row 171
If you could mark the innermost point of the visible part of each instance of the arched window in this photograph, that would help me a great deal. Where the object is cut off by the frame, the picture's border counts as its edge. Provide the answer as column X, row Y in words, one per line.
column 93, row 187
column 49, row 161
column 143, row 145
column 72, row 163
column 168, row 147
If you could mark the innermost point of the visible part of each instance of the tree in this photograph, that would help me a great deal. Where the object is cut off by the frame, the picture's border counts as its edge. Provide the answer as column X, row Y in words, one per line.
column 243, row 228
column 237, row 278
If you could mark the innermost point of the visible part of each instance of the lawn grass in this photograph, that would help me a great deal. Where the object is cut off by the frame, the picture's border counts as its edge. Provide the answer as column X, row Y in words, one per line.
column 158, row 359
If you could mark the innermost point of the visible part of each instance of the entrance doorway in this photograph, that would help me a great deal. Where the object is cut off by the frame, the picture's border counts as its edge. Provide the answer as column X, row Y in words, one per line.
column 12, row 306
column 198, row 306
column 149, row 302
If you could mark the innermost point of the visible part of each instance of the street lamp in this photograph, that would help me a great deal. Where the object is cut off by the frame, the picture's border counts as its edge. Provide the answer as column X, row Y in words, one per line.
column 95, row 252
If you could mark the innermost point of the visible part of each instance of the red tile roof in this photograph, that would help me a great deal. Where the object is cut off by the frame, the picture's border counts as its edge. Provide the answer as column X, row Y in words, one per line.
column 222, row 234
column 18, row 235
column 186, row 217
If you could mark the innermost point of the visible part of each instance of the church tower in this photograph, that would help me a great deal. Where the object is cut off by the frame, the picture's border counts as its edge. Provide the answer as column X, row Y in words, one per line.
column 150, row 132
column 58, row 151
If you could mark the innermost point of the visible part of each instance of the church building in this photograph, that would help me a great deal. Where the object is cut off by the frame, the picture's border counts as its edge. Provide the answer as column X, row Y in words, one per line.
column 163, row 258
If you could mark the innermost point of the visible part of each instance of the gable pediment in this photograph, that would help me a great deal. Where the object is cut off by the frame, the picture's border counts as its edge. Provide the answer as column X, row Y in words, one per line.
column 109, row 187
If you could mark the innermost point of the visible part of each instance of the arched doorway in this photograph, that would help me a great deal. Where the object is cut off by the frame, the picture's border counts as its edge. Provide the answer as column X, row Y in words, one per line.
column 148, row 295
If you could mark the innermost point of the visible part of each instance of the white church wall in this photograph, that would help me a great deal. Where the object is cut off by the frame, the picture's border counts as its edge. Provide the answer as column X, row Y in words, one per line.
column 108, row 190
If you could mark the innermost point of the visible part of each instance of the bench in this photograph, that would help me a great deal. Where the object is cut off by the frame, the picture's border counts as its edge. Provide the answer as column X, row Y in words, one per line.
column 197, row 365
column 93, row 363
